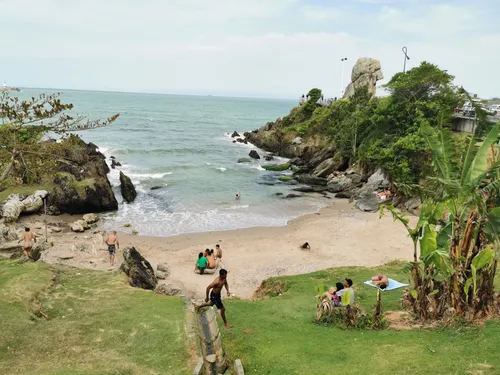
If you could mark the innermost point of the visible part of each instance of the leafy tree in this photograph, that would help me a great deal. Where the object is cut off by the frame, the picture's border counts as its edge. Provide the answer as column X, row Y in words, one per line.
column 24, row 123
column 458, row 230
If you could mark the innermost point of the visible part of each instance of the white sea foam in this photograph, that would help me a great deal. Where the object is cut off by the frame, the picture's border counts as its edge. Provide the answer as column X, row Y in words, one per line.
column 222, row 169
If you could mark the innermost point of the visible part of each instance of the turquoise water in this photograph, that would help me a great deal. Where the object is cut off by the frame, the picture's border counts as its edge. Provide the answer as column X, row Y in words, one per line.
column 183, row 144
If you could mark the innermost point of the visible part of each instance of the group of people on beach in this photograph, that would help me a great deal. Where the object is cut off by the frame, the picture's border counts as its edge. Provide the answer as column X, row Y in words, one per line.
column 340, row 290
column 208, row 259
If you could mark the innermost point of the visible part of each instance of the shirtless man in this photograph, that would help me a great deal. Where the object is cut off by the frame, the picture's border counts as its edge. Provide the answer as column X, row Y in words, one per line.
column 215, row 295
column 218, row 252
column 28, row 239
column 113, row 245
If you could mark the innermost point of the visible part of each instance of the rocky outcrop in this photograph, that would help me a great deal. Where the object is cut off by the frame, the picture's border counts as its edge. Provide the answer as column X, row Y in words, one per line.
column 162, row 271
column 79, row 226
column 127, row 188
column 16, row 204
column 90, row 218
column 235, row 134
column 366, row 199
column 138, row 269
column 311, row 180
column 82, row 185
column 328, row 166
column 365, row 73
column 168, row 290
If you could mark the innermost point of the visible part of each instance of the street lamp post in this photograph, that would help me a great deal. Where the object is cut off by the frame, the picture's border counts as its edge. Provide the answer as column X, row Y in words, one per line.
column 342, row 78
column 405, row 50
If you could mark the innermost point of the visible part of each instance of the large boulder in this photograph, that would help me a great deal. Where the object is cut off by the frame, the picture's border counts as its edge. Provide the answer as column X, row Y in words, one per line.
column 326, row 167
column 17, row 204
column 138, row 269
column 235, row 134
column 319, row 157
column 79, row 226
column 168, row 290
column 366, row 199
column 365, row 73
column 90, row 218
column 339, row 183
column 81, row 186
column 309, row 179
column 127, row 188
column 254, row 154
column 368, row 203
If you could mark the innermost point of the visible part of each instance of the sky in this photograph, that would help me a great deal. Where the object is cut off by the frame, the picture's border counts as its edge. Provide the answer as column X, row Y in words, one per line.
column 254, row 48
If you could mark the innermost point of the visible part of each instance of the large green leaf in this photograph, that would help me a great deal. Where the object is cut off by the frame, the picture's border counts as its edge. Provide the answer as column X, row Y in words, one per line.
column 440, row 260
column 443, row 237
column 483, row 259
column 428, row 241
column 492, row 226
column 479, row 164
column 441, row 145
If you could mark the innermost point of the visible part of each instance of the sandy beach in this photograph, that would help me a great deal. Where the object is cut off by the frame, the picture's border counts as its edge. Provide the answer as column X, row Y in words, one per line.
column 339, row 235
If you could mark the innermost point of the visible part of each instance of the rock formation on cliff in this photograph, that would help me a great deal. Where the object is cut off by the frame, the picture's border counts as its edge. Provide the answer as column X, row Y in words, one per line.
column 365, row 73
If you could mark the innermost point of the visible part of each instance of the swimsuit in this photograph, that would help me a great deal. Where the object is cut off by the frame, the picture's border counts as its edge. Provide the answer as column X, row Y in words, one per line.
column 216, row 300
column 380, row 277
column 112, row 249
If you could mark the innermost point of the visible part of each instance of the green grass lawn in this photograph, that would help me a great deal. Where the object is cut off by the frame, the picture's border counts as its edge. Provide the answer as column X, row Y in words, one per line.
column 96, row 324
column 278, row 335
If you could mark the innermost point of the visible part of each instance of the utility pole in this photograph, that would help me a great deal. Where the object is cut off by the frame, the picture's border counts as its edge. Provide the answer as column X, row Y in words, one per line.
column 405, row 50
column 342, row 78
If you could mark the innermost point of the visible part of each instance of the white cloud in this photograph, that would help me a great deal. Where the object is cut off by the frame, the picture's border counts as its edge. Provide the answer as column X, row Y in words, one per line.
column 247, row 47
column 319, row 13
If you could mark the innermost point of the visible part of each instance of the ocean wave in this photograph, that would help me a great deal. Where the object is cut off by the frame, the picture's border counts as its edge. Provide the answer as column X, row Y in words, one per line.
column 222, row 169
column 148, row 175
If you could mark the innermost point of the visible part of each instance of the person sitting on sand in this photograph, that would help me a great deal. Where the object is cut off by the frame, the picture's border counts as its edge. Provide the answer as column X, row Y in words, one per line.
column 215, row 289
column 347, row 287
column 381, row 281
column 384, row 195
column 28, row 239
column 201, row 264
column 211, row 259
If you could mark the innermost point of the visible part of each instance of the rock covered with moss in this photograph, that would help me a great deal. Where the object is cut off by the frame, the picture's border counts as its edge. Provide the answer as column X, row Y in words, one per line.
column 81, row 186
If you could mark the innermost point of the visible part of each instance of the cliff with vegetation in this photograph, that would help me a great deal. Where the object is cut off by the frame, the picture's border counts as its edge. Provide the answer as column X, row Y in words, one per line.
column 369, row 132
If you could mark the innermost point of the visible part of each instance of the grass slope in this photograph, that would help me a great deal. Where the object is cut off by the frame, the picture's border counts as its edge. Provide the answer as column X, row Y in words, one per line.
column 96, row 324
column 278, row 335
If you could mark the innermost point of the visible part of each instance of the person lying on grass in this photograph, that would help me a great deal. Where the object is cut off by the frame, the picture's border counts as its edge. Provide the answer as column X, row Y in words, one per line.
column 215, row 289
column 381, row 281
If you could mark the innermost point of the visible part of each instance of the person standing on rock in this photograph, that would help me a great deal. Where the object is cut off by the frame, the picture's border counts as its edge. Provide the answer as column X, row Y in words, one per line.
column 28, row 239
column 113, row 245
column 215, row 295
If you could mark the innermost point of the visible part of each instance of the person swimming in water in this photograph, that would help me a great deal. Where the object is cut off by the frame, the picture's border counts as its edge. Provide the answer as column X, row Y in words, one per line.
column 238, row 196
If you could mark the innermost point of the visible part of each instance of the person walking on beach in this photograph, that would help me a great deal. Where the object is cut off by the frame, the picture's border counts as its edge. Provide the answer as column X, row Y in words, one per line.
column 215, row 289
column 28, row 239
column 113, row 245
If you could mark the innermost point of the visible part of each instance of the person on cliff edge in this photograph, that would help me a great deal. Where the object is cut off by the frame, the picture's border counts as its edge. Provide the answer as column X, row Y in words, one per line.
column 215, row 295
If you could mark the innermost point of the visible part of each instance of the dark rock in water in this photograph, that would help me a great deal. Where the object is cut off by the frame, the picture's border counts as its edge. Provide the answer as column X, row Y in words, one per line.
column 115, row 163
column 83, row 186
column 234, row 141
column 127, row 188
column 240, row 140
column 254, row 154
column 344, row 195
column 290, row 196
column 245, row 141
column 157, row 187
column 292, row 182
column 311, row 180
column 266, row 183
column 256, row 131
column 304, row 189
column 235, row 134
column 268, row 158
column 278, row 194
column 243, row 160
column 138, row 269
column 112, row 157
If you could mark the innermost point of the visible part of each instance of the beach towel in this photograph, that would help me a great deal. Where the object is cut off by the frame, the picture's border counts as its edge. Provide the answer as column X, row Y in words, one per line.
column 393, row 284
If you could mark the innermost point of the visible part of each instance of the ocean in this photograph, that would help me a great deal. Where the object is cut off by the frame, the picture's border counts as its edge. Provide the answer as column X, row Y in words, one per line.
column 182, row 144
